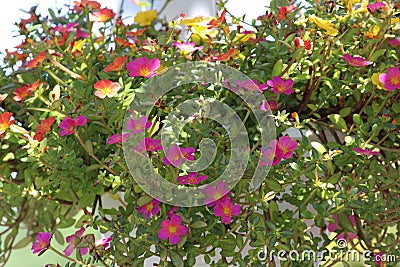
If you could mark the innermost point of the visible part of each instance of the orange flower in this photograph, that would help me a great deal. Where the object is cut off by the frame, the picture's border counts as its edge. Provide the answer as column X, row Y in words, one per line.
column 122, row 42
column 106, row 88
column 216, row 22
column 117, row 64
column 6, row 120
column 80, row 6
column 231, row 54
column 103, row 15
column 36, row 61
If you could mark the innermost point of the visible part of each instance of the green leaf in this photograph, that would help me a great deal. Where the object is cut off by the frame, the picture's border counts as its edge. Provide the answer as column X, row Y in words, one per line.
column 277, row 68
column 198, row 224
column 377, row 54
column 176, row 258
column 23, row 242
column 273, row 185
column 335, row 178
column 344, row 112
column 144, row 200
column 86, row 200
column 319, row 147
column 345, row 222
column 338, row 120
column 357, row 119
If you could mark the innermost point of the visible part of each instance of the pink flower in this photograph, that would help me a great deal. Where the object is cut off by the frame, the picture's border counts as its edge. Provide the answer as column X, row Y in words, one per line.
column 148, row 144
column 366, row 152
column 391, row 79
column 118, row 138
column 191, row 178
column 142, row 67
column 267, row 106
column 68, row 125
column 333, row 227
column 80, row 34
column 279, row 85
column 356, row 61
column 73, row 241
column 287, row 145
column 225, row 209
column 103, row 242
column 151, row 207
column 215, row 193
column 395, row 41
column 138, row 126
column 42, row 243
column 274, row 154
column 251, row 85
column 176, row 155
column 172, row 229
column 372, row 7
column 186, row 48
column 106, row 88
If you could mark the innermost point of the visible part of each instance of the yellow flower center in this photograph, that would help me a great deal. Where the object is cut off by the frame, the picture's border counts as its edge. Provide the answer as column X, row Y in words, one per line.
column 280, row 88
column 150, row 206
column 226, row 211
column 172, row 229
column 394, row 80
column 106, row 90
column 145, row 71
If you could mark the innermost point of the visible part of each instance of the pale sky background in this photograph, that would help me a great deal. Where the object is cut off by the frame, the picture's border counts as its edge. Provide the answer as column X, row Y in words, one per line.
column 11, row 13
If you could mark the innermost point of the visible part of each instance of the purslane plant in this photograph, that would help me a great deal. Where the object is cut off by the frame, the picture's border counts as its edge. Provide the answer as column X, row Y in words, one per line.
column 329, row 72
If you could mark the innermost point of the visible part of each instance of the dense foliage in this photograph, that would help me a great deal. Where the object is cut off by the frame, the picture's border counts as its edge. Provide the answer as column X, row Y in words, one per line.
column 329, row 72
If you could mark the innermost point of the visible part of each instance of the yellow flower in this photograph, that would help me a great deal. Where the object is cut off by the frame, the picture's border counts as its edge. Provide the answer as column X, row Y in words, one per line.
column 203, row 32
column 145, row 18
column 240, row 37
column 374, row 33
column 78, row 46
column 192, row 21
column 394, row 20
column 375, row 80
column 324, row 24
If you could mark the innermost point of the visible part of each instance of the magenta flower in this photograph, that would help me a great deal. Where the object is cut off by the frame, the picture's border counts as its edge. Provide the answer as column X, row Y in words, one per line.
column 279, row 85
column 42, row 243
column 118, row 138
column 138, row 126
column 73, row 241
column 225, row 209
column 366, row 152
column 172, row 229
column 267, row 106
column 151, row 207
column 215, row 193
column 287, row 145
column 356, row 61
column 176, row 155
column 148, row 144
column 191, row 178
column 391, row 79
column 142, row 67
column 333, row 227
column 378, row 259
column 68, row 125
column 373, row 7
column 81, row 34
column 395, row 41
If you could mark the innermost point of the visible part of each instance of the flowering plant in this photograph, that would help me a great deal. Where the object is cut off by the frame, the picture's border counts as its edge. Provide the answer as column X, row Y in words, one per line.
column 293, row 119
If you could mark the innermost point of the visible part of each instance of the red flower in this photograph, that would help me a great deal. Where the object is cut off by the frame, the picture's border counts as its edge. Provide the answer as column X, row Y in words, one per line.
column 22, row 92
column 43, row 128
column 216, row 22
column 284, row 10
column 298, row 42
